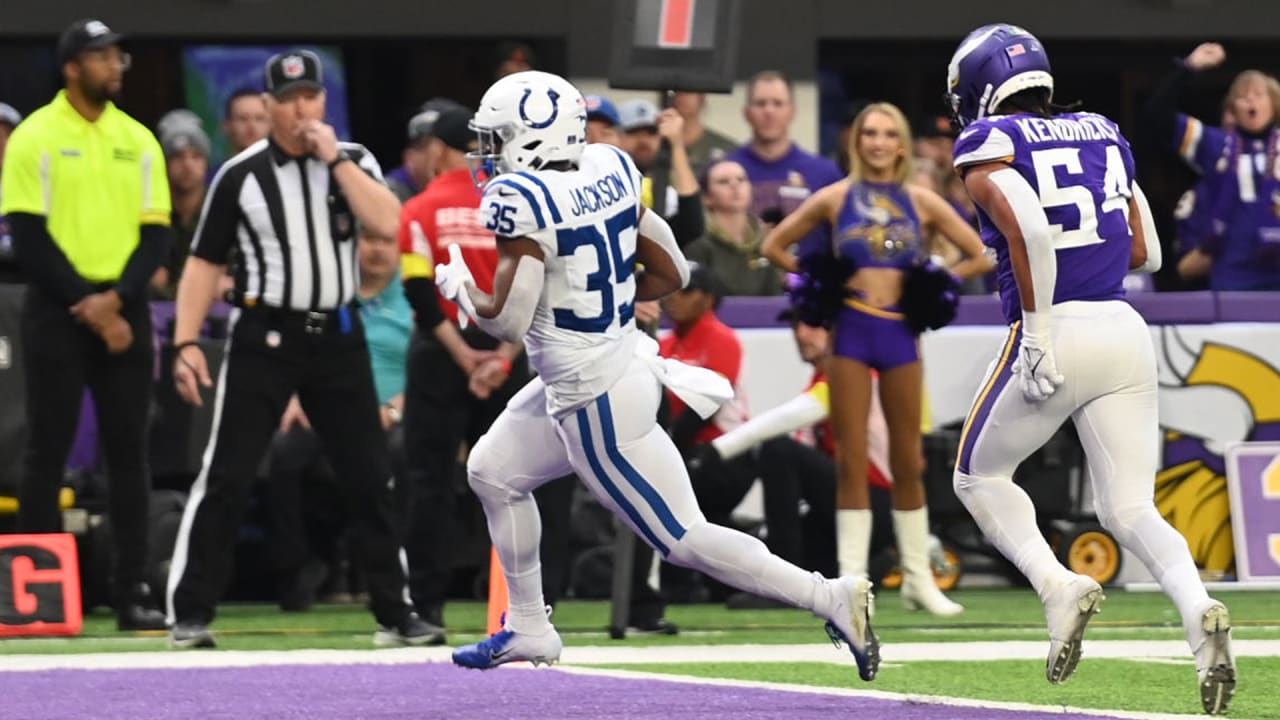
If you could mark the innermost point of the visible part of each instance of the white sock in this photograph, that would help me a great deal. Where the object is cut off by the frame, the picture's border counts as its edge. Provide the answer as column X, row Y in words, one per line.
column 516, row 530
column 740, row 560
column 1008, row 520
column 853, row 541
column 1164, row 552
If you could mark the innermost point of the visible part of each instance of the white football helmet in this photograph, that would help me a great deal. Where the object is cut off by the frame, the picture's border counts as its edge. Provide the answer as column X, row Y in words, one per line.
column 527, row 120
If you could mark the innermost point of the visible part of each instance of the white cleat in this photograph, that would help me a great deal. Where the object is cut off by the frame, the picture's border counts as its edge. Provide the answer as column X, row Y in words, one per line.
column 927, row 596
column 508, row 646
column 850, row 623
column 1215, row 667
column 1068, row 609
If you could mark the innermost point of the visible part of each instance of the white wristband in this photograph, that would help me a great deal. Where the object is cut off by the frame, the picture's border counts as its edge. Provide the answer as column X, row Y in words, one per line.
column 1036, row 325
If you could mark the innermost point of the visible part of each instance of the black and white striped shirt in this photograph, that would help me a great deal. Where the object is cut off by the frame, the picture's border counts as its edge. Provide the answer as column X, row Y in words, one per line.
column 293, row 227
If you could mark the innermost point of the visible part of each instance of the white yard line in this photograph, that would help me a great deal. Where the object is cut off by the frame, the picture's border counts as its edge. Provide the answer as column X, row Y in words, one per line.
column 625, row 655
column 914, row 699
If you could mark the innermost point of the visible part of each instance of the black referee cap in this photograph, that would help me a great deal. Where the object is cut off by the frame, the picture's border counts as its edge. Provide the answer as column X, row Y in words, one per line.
column 291, row 70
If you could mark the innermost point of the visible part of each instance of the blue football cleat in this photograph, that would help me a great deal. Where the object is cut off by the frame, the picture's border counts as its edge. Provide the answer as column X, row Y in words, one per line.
column 508, row 646
column 850, row 624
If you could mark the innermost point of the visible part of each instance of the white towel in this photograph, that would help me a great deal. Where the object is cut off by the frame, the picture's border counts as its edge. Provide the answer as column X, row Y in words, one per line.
column 703, row 390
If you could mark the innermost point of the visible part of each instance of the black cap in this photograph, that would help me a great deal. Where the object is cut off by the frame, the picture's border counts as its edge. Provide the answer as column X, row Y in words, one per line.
column 291, row 70
column 932, row 126
column 700, row 278
column 420, row 125
column 453, row 128
column 84, row 35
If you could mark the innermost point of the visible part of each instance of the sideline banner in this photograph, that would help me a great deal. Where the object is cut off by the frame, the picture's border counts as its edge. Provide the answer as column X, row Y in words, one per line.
column 39, row 585
column 1219, row 385
column 1253, row 479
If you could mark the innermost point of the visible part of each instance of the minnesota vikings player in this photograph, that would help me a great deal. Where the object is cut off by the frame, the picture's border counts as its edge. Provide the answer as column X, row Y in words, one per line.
column 577, row 251
column 1057, row 201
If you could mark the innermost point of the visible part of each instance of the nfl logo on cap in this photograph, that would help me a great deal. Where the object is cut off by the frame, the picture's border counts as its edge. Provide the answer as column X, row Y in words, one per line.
column 293, row 67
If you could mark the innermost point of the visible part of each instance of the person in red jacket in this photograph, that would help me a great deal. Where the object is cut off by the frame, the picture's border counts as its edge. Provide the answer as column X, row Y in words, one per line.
column 459, row 378
column 702, row 340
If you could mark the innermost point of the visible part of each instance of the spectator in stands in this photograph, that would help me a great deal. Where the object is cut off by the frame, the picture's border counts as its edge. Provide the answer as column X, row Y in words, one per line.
column 9, row 272
column 703, row 144
column 782, row 174
column 702, row 340
column 417, row 161
column 730, row 250
column 514, row 57
column 933, row 138
column 603, row 121
column 800, row 470
column 90, row 222
column 459, row 378
column 301, row 479
column 672, row 190
column 1240, row 246
column 186, row 150
column 841, row 153
column 244, row 119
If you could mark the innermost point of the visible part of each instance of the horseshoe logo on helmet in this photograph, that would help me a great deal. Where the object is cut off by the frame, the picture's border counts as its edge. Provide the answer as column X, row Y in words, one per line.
column 553, row 96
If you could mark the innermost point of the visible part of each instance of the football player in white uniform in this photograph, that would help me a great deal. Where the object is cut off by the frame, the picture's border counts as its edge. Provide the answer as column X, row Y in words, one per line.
column 577, row 251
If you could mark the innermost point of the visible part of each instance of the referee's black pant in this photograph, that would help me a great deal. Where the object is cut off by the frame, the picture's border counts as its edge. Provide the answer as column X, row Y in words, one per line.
column 272, row 354
column 440, row 414
column 61, row 357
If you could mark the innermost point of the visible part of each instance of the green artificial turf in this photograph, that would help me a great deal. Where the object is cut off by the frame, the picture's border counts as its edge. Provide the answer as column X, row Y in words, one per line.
column 998, row 614
column 1100, row 684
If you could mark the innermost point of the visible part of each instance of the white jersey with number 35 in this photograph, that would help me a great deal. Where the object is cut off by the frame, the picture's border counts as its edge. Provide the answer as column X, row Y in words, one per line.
column 583, row 334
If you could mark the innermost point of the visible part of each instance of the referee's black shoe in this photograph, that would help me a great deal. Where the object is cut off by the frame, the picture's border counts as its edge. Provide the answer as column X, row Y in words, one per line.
column 135, row 616
column 412, row 630
column 134, row 610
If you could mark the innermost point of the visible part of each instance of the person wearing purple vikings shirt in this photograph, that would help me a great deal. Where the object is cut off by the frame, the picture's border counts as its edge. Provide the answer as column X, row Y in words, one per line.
column 879, row 221
column 1056, row 200
column 782, row 175
column 1238, row 245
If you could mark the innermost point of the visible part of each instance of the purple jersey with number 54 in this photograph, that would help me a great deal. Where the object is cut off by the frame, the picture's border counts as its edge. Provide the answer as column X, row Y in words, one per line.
column 1082, row 169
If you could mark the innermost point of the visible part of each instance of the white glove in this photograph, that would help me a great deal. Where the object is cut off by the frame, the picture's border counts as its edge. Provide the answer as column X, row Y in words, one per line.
column 452, row 278
column 1035, row 365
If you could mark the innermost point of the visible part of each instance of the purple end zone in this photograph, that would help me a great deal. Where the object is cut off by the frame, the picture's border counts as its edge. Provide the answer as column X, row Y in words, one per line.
column 375, row 692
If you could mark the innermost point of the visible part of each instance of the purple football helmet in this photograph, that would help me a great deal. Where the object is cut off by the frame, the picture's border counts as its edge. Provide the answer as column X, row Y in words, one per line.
column 992, row 63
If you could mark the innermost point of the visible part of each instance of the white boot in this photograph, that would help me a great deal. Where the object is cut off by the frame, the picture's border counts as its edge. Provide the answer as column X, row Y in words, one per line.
column 853, row 541
column 1215, row 666
column 919, row 590
column 1068, row 607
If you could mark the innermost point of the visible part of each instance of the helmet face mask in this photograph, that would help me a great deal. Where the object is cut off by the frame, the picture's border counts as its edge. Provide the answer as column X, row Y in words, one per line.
column 486, row 160
column 993, row 63
column 527, row 121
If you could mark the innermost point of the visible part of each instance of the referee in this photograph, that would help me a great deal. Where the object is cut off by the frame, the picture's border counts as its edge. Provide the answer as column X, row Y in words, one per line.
column 290, row 203
column 86, row 196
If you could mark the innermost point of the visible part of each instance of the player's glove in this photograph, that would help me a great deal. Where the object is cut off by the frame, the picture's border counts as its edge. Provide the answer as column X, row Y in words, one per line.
column 452, row 278
column 1035, row 365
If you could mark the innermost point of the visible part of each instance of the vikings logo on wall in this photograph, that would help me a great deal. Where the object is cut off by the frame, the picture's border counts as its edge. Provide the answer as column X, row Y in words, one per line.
column 1212, row 393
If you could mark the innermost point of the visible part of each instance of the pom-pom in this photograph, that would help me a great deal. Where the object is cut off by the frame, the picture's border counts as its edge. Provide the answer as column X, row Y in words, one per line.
column 930, row 296
column 818, row 291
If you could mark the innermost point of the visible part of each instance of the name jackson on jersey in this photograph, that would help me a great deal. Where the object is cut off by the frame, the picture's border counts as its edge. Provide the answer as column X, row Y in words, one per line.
column 601, row 194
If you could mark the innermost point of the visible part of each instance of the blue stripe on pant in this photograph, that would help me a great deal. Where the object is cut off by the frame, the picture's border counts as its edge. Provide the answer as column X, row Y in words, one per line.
column 647, row 492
